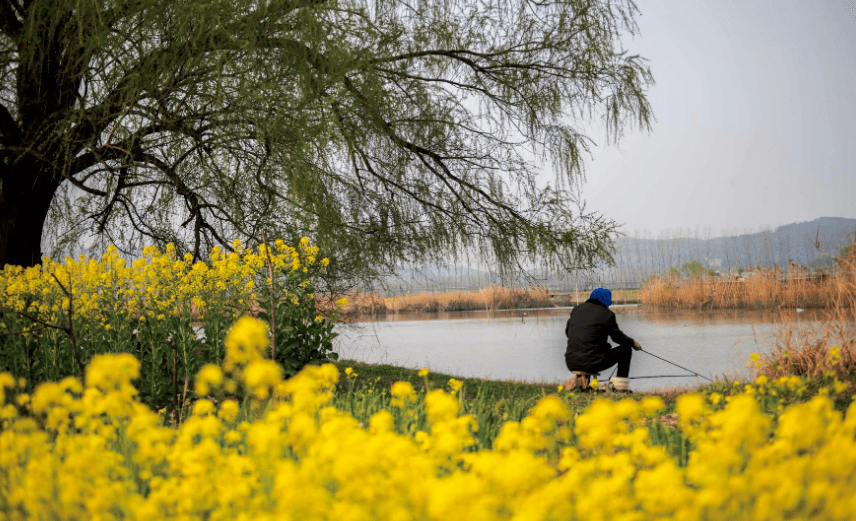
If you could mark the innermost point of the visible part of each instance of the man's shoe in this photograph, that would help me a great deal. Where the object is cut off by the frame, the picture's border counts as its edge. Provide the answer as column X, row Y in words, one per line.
column 620, row 385
column 572, row 383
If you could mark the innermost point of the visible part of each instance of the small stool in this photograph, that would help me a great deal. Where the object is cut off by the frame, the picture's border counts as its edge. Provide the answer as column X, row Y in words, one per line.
column 583, row 378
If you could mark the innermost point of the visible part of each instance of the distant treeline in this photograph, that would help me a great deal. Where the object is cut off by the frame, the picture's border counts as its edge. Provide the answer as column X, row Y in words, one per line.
column 640, row 255
column 813, row 244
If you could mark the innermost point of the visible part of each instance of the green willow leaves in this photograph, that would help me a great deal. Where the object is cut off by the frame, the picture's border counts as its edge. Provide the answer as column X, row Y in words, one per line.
column 387, row 131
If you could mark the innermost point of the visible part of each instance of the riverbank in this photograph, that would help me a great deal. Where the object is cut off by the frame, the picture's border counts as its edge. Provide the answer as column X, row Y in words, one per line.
column 381, row 377
column 491, row 297
column 761, row 289
column 831, row 372
column 775, row 288
column 363, row 305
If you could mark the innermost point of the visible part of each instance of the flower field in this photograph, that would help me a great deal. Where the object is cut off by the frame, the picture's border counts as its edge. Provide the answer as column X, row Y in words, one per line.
column 284, row 452
column 112, row 441
column 170, row 312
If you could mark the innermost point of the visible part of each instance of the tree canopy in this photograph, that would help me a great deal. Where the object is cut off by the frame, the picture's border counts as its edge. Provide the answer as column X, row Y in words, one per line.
column 384, row 130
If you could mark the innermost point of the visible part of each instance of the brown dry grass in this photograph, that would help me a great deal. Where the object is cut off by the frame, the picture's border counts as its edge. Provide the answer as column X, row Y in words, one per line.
column 619, row 296
column 763, row 289
column 364, row 303
column 811, row 352
column 491, row 297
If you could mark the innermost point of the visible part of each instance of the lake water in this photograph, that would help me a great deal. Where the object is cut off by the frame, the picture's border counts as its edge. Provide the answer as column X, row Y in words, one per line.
column 529, row 345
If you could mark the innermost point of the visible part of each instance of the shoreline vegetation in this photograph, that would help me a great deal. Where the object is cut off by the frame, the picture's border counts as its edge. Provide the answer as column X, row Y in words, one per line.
column 367, row 304
column 758, row 289
column 762, row 288
column 383, row 376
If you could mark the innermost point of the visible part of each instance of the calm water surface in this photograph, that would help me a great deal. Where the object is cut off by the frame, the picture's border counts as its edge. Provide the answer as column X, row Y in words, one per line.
column 529, row 345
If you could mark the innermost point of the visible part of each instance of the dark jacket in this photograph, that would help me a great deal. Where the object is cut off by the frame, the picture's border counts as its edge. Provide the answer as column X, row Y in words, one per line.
column 587, row 330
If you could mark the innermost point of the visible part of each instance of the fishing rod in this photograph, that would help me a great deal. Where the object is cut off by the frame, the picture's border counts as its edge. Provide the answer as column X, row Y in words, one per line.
column 676, row 365
column 657, row 376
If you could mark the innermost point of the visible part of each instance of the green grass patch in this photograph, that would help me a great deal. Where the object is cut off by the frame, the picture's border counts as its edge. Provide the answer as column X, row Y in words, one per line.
column 382, row 376
column 491, row 402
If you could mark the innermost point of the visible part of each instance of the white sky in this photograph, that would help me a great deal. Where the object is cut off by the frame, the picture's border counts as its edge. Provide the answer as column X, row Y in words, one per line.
column 755, row 106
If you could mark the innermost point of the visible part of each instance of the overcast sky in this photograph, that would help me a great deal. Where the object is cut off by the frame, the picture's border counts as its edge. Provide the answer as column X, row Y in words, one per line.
column 755, row 105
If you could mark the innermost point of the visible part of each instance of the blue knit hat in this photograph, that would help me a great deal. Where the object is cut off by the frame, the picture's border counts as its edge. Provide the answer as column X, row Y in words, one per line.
column 603, row 295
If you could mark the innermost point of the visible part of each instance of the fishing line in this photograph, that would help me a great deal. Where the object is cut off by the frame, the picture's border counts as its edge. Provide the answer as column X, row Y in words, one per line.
column 665, row 376
column 676, row 365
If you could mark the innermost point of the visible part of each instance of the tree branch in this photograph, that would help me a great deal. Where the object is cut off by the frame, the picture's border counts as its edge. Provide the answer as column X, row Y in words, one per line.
column 11, row 134
column 9, row 23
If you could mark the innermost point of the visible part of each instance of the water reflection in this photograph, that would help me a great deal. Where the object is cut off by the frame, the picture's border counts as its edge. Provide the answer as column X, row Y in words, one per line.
column 740, row 316
column 529, row 345
column 477, row 314
column 656, row 315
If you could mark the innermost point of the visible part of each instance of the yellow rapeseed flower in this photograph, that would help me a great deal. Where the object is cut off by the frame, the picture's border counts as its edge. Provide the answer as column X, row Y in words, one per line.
column 228, row 410
column 209, row 376
column 402, row 393
column 245, row 342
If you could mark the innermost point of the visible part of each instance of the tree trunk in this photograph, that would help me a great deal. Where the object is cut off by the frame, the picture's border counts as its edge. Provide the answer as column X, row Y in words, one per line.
column 25, row 199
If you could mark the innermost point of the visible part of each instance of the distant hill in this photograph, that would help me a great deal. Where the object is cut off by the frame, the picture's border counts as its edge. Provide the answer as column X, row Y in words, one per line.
column 638, row 258
column 811, row 243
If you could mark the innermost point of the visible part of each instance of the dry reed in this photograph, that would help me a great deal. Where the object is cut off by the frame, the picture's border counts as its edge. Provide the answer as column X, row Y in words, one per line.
column 762, row 289
column 619, row 296
column 489, row 298
column 827, row 349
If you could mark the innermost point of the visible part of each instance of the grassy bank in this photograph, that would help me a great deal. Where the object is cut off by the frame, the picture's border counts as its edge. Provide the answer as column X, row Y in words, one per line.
column 382, row 376
column 816, row 364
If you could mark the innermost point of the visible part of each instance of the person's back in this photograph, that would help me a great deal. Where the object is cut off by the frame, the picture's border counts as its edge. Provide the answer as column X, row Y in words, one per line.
column 589, row 327
column 587, row 330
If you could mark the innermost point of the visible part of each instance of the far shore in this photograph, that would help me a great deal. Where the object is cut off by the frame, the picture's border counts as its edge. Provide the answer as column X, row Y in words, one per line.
column 759, row 289
column 364, row 304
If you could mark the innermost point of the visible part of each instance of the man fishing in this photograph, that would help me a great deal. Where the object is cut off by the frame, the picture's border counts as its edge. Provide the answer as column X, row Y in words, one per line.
column 590, row 325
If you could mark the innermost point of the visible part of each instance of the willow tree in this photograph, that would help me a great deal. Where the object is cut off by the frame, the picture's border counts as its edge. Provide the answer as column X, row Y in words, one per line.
column 385, row 130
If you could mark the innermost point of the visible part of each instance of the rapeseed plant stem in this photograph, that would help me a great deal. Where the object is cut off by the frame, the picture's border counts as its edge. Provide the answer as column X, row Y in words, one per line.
column 23, row 331
column 158, row 307
column 69, row 330
column 272, row 308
